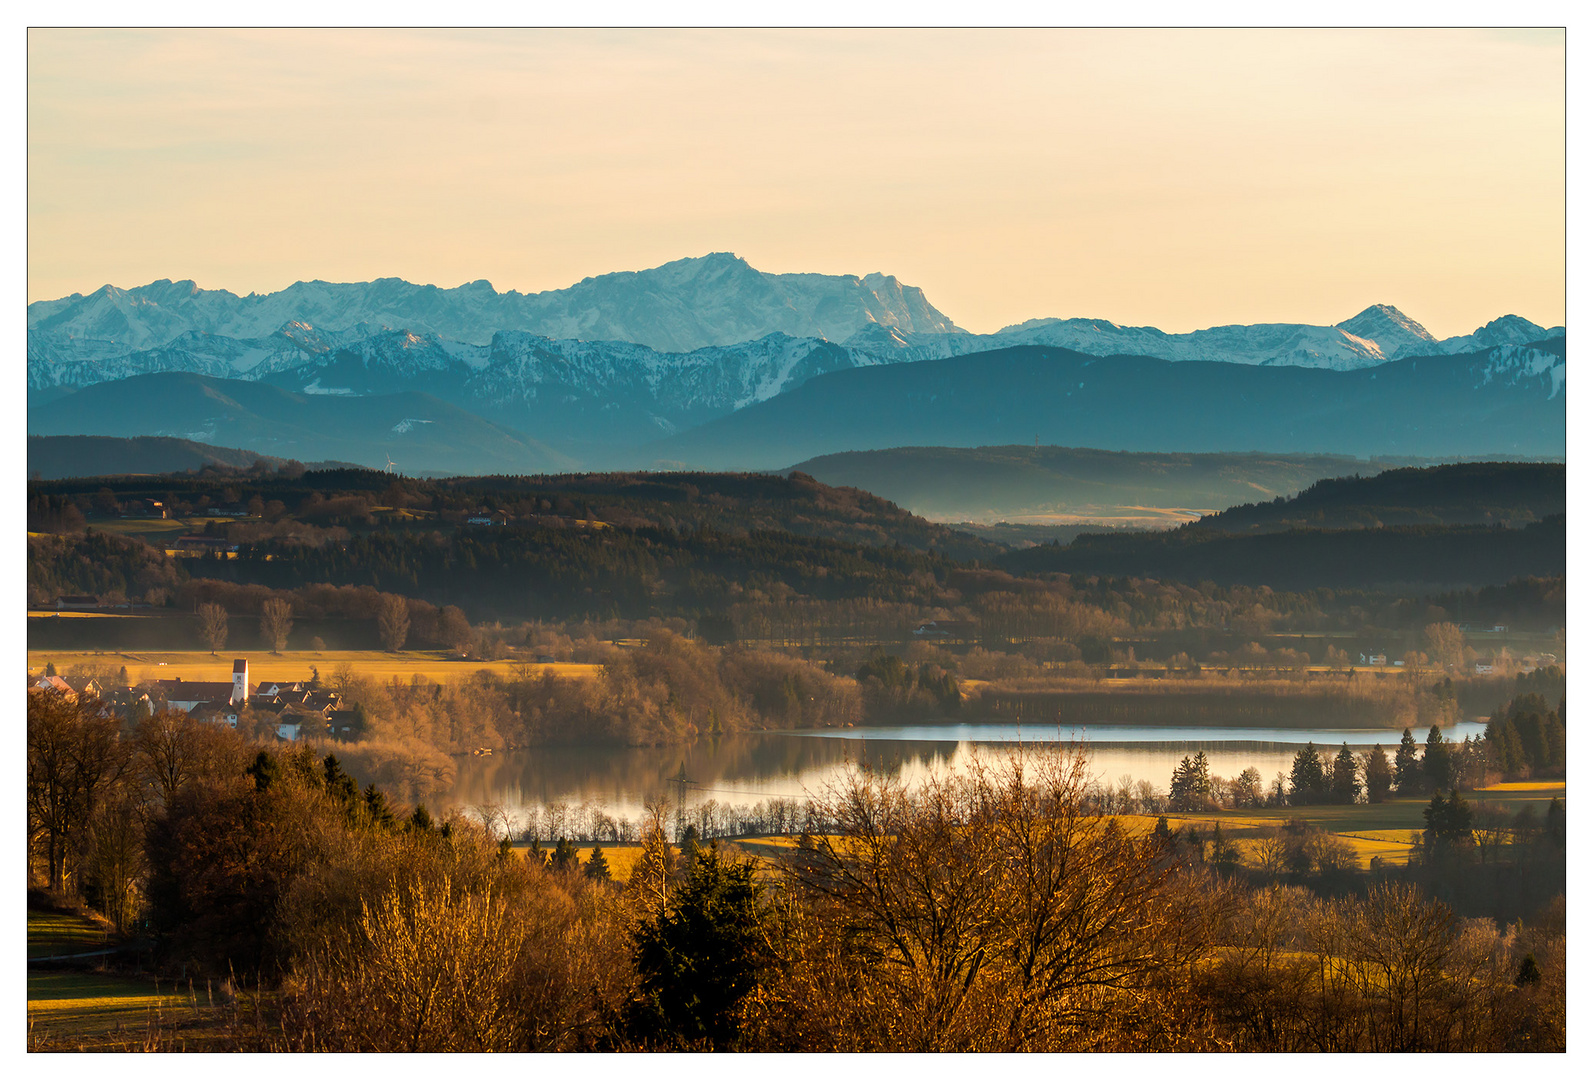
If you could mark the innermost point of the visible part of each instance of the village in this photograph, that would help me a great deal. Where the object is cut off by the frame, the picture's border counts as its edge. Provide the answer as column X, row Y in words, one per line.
column 286, row 710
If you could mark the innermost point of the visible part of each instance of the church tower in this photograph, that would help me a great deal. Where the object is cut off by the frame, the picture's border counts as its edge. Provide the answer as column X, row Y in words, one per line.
column 240, row 682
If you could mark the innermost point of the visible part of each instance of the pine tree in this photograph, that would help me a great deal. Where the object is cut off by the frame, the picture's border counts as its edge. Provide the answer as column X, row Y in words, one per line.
column 1200, row 786
column 1180, row 787
column 1307, row 777
column 698, row 957
column 1407, row 777
column 1438, row 766
column 565, row 857
column 597, row 865
column 1346, row 783
column 1448, row 821
column 1379, row 777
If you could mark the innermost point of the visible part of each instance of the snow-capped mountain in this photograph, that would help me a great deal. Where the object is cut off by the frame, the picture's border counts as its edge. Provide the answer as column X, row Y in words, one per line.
column 1376, row 336
column 683, row 305
column 616, row 361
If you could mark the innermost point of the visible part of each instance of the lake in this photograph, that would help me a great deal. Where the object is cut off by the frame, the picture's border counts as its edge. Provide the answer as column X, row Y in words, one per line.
column 742, row 771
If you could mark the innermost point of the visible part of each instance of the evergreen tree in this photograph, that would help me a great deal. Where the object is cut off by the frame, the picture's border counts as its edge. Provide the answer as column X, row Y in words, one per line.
column 1448, row 821
column 1307, row 777
column 699, row 957
column 1554, row 823
column 535, row 855
column 1346, row 783
column 597, row 865
column 1407, row 775
column 565, row 857
column 376, row 809
column 1178, row 788
column 1201, row 779
column 1438, row 767
column 1379, row 777
column 420, row 820
column 689, row 849
column 1163, row 836
column 1504, row 745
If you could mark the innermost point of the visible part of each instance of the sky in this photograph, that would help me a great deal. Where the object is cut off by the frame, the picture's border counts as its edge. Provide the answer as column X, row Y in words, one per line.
column 1180, row 179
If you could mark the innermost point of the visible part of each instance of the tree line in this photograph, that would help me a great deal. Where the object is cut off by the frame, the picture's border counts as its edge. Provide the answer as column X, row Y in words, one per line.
column 996, row 909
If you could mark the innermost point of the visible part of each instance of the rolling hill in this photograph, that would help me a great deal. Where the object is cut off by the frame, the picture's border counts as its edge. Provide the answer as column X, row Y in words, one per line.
column 1507, row 400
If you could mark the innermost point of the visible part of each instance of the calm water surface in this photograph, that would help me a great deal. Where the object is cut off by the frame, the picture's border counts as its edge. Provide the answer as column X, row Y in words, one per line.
column 747, row 769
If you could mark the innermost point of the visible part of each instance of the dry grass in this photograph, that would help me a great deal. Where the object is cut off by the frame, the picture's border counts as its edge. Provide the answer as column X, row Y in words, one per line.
column 197, row 665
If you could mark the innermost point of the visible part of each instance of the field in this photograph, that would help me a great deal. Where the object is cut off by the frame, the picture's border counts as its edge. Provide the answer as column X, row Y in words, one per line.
column 90, row 1010
column 438, row 666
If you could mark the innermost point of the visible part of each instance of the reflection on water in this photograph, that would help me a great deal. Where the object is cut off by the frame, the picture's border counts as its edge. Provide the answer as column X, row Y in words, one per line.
column 743, row 770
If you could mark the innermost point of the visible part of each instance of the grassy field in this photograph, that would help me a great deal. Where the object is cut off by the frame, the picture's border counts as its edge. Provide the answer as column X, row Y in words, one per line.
column 91, row 1010
column 70, row 1010
column 52, row 933
column 438, row 666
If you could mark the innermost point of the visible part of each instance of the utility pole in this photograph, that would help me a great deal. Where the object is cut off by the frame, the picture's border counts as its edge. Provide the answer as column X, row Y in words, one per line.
column 680, row 783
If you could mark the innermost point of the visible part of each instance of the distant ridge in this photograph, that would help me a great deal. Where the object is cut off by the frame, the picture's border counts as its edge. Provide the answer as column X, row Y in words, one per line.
column 1508, row 400
column 59, row 457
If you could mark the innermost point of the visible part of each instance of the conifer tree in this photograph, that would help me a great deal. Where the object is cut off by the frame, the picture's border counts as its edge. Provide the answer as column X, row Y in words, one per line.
column 597, row 865
column 1307, row 777
column 1407, row 776
column 1379, row 776
column 1346, row 777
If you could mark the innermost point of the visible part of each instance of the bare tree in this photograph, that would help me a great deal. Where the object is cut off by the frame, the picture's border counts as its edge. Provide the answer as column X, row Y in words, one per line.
column 453, row 630
column 992, row 910
column 392, row 622
column 276, row 622
column 74, row 758
column 213, row 626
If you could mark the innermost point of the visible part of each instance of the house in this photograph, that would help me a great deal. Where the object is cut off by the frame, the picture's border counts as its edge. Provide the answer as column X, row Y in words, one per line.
column 343, row 723
column 214, row 712
column 129, row 702
column 187, row 695
column 54, row 684
column 1378, row 660
column 946, row 630
column 1484, row 667
column 76, row 603
column 83, row 685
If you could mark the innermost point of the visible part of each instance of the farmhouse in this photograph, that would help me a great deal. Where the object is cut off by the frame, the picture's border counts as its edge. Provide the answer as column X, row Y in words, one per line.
column 76, row 603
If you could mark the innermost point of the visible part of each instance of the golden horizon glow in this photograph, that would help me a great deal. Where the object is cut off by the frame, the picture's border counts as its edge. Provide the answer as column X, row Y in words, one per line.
column 1180, row 179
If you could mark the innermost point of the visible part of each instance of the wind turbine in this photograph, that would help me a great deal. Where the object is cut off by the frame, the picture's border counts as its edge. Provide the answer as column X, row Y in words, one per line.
column 391, row 465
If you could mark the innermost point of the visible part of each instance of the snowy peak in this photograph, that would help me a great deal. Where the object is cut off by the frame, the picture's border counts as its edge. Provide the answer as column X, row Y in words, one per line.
column 713, row 300
column 1508, row 330
column 1388, row 326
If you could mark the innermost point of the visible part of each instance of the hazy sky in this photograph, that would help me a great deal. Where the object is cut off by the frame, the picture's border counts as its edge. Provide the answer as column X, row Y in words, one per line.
column 1175, row 178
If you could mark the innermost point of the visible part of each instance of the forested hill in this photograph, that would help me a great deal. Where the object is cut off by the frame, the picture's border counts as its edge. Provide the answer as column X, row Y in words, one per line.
column 56, row 457
column 1426, row 556
column 361, row 500
column 1477, row 493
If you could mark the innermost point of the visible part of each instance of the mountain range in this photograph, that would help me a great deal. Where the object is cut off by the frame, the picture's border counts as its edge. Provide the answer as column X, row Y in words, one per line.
column 607, row 371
